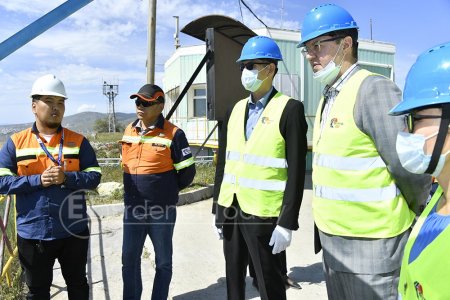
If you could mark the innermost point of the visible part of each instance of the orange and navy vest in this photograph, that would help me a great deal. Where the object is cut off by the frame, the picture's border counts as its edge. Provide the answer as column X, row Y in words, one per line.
column 150, row 153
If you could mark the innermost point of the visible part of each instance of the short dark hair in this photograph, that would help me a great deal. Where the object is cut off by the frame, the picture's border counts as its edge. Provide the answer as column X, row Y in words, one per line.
column 353, row 33
column 275, row 62
column 35, row 98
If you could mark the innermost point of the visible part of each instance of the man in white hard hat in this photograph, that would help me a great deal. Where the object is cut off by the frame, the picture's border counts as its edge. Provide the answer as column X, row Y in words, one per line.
column 48, row 168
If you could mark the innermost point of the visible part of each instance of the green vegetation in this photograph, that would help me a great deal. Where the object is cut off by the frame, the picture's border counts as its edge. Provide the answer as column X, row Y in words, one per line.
column 15, row 272
column 102, row 125
column 106, row 137
column 203, row 178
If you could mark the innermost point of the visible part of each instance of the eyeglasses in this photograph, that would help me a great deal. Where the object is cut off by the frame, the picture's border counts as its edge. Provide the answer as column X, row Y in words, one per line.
column 315, row 48
column 251, row 65
column 145, row 103
column 412, row 117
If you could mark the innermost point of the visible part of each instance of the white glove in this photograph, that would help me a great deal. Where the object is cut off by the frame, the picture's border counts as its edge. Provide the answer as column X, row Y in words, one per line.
column 281, row 239
column 218, row 230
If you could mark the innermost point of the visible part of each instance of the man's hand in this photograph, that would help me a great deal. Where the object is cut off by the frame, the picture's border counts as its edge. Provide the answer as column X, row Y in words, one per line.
column 281, row 239
column 53, row 175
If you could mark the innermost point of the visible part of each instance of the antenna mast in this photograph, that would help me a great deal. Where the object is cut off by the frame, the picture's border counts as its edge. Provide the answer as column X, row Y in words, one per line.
column 111, row 91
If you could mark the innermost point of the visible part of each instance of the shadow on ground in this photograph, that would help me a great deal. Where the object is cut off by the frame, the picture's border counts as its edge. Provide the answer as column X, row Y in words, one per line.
column 310, row 274
column 217, row 291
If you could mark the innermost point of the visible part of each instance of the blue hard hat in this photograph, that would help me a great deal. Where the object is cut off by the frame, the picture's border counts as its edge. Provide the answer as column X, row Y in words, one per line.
column 427, row 82
column 324, row 19
column 260, row 47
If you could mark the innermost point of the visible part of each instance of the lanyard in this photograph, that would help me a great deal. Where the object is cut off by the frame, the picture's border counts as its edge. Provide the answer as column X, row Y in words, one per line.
column 49, row 155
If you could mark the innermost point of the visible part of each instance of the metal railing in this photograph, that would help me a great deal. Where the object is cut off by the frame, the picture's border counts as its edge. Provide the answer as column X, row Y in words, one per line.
column 111, row 162
column 5, row 240
column 106, row 162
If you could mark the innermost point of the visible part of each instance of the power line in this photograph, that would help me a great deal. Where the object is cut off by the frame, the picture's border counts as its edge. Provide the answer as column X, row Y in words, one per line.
column 245, row 4
column 240, row 8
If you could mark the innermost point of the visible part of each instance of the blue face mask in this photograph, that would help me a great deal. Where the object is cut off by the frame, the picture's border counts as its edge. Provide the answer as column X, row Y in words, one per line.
column 412, row 156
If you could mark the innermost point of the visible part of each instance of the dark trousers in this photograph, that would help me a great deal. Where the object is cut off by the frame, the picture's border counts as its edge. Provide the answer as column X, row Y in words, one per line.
column 282, row 255
column 246, row 235
column 38, row 257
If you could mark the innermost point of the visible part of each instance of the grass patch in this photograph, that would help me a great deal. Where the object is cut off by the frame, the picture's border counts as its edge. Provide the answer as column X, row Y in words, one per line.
column 203, row 177
column 106, row 137
column 16, row 290
column 15, row 272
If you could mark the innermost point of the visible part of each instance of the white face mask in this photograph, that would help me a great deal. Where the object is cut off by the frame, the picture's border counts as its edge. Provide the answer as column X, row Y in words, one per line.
column 412, row 156
column 330, row 72
column 250, row 81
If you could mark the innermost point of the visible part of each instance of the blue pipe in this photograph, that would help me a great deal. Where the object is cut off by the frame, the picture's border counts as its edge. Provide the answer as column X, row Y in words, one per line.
column 39, row 26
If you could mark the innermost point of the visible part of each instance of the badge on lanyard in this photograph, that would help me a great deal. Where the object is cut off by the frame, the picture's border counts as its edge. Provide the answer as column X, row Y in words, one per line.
column 49, row 155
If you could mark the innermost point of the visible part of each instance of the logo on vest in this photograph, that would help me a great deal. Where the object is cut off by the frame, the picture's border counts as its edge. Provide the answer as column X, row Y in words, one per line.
column 71, row 144
column 419, row 290
column 335, row 123
column 158, row 145
column 266, row 120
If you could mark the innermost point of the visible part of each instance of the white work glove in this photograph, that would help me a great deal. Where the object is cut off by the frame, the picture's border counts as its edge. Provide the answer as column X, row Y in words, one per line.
column 218, row 230
column 281, row 239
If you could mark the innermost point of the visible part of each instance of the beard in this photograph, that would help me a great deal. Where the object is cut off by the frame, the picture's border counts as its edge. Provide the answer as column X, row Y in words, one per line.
column 52, row 124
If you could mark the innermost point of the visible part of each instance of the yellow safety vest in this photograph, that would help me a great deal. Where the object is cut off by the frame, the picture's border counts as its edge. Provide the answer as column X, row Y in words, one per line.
column 353, row 192
column 428, row 275
column 256, row 169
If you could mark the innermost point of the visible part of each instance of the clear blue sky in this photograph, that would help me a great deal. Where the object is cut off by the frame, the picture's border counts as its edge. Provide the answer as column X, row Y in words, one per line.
column 106, row 41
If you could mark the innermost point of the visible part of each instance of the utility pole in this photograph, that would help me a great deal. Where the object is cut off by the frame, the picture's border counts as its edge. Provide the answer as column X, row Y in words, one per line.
column 177, row 31
column 151, row 41
column 111, row 91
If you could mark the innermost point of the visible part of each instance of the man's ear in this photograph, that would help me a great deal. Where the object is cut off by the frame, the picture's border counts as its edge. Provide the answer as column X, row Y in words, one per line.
column 33, row 106
column 348, row 42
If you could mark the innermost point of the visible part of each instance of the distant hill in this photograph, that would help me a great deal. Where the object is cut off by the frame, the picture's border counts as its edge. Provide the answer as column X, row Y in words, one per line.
column 81, row 122
column 84, row 122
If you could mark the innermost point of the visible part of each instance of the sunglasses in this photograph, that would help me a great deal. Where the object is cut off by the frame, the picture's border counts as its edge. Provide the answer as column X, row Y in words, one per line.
column 411, row 118
column 250, row 65
column 145, row 103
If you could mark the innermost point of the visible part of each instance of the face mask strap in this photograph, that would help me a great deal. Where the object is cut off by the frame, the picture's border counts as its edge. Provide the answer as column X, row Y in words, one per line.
column 440, row 140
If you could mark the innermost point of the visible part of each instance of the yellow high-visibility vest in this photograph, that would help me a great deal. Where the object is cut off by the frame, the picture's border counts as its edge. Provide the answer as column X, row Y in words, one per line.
column 427, row 276
column 256, row 169
column 353, row 192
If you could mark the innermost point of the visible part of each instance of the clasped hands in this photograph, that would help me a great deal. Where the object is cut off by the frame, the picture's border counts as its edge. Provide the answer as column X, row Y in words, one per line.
column 53, row 175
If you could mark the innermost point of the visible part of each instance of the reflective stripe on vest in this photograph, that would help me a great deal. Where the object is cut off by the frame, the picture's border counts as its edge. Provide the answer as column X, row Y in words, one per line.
column 6, row 172
column 256, row 169
column 146, row 139
column 348, row 163
column 429, row 272
column 353, row 193
column 267, row 185
column 258, row 160
column 150, row 153
column 357, row 195
column 31, row 158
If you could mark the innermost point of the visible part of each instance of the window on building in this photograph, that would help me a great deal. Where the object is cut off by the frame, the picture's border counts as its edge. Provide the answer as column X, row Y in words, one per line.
column 199, row 102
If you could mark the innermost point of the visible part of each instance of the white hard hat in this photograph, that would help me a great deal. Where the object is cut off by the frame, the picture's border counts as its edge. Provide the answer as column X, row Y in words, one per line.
column 48, row 85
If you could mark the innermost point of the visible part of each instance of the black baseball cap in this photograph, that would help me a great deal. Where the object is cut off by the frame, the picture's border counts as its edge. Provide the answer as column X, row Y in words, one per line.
column 149, row 92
